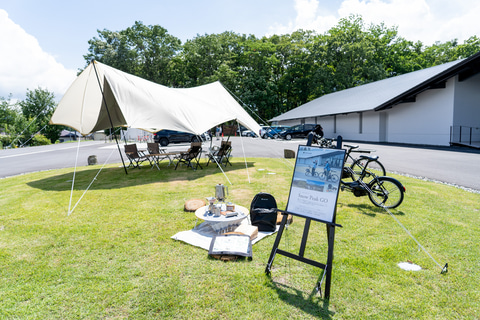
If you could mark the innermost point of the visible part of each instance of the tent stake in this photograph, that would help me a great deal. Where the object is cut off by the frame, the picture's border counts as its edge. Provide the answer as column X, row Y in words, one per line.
column 109, row 117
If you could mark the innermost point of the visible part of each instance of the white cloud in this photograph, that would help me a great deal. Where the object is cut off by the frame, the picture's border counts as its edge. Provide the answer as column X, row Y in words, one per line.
column 23, row 63
column 417, row 20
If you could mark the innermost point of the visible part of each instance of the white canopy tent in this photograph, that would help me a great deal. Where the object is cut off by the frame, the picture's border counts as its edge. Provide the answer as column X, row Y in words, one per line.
column 138, row 103
column 103, row 97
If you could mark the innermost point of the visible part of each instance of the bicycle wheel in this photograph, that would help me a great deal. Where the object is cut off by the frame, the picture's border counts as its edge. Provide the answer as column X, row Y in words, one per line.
column 358, row 166
column 387, row 192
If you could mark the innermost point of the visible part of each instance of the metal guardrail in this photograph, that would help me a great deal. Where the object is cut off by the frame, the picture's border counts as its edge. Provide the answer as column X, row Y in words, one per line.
column 464, row 135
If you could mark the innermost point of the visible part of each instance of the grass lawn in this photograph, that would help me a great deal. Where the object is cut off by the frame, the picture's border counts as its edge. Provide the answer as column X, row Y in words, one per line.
column 113, row 257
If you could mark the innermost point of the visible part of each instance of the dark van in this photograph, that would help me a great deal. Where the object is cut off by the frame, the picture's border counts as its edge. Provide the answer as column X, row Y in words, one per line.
column 297, row 131
column 165, row 137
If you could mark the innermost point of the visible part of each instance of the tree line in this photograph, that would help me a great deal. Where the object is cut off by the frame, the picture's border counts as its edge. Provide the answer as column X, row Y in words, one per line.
column 269, row 75
column 273, row 74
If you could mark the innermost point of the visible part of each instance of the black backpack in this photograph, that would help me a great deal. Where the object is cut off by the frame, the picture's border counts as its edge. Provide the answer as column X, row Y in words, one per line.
column 263, row 212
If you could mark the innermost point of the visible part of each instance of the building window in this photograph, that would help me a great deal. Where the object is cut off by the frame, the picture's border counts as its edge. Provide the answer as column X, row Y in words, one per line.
column 335, row 124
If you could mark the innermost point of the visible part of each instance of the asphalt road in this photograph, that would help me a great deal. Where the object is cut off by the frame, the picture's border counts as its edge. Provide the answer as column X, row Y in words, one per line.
column 454, row 165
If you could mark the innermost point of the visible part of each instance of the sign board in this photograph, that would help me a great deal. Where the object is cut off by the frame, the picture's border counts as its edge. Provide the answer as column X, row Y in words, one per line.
column 231, row 244
column 315, row 183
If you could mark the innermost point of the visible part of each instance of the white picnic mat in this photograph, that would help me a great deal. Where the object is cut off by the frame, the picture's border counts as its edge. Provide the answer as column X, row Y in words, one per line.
column 202, row 235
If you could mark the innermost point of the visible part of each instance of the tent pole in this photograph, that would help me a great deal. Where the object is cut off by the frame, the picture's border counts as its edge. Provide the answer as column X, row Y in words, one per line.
column 109, row 117
column 243, row 149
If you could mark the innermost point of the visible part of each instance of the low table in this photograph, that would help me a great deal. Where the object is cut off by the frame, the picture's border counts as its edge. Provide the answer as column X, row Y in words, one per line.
column 222, row 223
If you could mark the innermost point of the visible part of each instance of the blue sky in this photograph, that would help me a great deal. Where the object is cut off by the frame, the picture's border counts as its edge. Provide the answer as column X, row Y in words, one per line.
column 46, row 40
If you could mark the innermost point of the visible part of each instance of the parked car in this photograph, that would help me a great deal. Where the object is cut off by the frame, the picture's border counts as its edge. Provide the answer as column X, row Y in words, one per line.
column 164, row 137
column 297, row 131
column 273, row 132
column 245, row 132
column 263, row 131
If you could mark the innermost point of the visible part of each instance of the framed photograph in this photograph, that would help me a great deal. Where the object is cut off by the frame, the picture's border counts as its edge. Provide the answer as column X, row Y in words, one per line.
column 231, row 244
column 315, row 183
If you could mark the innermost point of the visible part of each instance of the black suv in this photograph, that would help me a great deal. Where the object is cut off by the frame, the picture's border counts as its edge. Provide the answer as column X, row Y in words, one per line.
column 165, row 137
column 298, row 131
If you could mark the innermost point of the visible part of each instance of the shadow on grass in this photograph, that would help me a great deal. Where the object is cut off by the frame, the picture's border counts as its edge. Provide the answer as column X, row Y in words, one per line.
column 115, row 178
column 312, row 304
column 371, row 210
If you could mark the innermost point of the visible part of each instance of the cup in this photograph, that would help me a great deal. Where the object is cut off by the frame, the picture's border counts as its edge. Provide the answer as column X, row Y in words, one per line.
column 217, row 210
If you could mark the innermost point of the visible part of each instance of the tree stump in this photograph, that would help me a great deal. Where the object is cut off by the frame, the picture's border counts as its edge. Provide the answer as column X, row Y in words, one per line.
column 288, row 154
column 193, row 204
column 92, row 160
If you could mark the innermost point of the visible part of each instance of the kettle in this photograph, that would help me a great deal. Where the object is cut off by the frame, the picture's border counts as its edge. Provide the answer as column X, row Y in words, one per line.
column 220, row 192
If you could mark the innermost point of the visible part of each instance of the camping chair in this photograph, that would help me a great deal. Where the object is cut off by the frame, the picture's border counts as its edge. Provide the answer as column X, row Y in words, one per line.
column 156, row 154
column 135, row 156
column 192, row 155
column 222, row 154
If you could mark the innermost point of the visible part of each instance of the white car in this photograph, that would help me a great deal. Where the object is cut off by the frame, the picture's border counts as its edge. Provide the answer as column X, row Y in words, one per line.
column 248, row 133
column 263, row 131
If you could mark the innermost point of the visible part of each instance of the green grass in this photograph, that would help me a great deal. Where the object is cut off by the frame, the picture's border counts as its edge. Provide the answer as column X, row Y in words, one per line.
column 113, row 258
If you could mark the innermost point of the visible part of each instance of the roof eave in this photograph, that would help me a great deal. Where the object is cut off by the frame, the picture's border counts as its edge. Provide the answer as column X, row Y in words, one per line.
column 432, row 83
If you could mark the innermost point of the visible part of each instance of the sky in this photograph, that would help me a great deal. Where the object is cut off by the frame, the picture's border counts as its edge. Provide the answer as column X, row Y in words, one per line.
column 43, row 42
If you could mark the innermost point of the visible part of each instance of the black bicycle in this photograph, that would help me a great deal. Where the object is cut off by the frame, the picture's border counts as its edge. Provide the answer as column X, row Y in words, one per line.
column 359, row 164
column 384, row 192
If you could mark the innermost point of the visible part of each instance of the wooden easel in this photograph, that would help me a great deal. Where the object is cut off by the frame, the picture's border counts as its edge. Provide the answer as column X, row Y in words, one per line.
column 327, row 267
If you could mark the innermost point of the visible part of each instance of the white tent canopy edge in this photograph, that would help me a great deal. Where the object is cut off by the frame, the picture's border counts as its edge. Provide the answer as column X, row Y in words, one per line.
column 139, row 103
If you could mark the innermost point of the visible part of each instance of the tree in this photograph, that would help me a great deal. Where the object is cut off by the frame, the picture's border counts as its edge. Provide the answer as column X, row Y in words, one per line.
column 38, row 108
column 145, row 51
column 274, row 74
column 7, row 114
column 209, row 58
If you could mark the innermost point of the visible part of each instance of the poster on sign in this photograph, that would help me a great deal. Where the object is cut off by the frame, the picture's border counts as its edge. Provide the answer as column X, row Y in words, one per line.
column 315, row 183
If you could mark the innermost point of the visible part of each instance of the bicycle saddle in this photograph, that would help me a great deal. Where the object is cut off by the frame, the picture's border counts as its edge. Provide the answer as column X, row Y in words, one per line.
column 369, row 158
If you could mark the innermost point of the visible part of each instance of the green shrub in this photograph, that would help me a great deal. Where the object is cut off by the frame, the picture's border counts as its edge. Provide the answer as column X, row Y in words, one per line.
column 40, row 140
column 5, row 141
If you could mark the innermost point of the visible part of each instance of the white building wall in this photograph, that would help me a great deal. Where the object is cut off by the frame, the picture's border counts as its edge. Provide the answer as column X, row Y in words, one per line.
column 467, row 102
column 348, row 126
column 371, row 126
column 133, row 134
column 426, row 121
column 328, row 126
column 288, row 122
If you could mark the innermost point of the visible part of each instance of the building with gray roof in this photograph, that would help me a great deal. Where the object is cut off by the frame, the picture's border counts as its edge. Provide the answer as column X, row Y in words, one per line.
column 434, row 106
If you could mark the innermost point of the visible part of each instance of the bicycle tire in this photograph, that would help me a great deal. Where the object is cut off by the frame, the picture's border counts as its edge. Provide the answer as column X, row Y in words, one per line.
column 387, row 192
column 358, row 165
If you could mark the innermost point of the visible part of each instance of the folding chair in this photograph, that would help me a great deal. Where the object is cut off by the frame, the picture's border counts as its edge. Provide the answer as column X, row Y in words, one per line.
column 156, row 154
column 192, row 155
column 222, row 154
column 136, row 157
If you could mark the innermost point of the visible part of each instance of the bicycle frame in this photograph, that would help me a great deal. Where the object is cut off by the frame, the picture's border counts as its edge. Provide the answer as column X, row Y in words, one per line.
column 358, row 186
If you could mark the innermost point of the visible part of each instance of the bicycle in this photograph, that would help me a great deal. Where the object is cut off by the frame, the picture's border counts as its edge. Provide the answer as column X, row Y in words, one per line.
column 325, row 143
column 383, row 192
column 358, row 164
